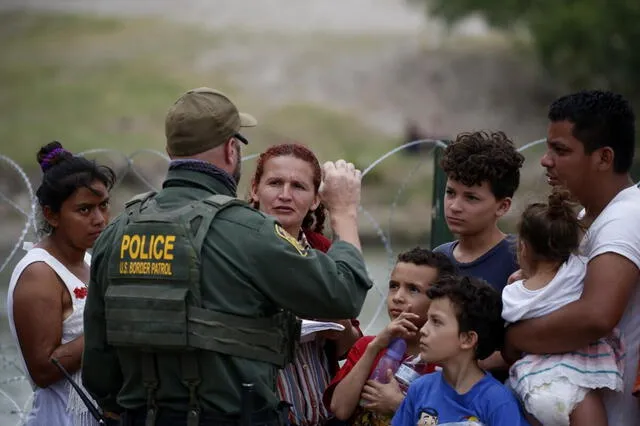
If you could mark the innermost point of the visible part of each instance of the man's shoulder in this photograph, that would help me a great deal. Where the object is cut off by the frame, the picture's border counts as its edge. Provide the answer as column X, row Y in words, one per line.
column 619, row 220
column 252, row 230
column 232, row 211
column 241, row 211
column 625, row 206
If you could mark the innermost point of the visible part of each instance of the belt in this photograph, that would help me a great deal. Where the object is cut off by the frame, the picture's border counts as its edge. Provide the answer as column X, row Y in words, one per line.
column 167, row 417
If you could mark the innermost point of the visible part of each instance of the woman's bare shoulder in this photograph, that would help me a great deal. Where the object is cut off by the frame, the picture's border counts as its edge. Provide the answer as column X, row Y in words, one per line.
column 37, row 279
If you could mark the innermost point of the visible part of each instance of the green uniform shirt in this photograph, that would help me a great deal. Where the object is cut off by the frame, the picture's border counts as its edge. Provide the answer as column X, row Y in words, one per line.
column 248, row 269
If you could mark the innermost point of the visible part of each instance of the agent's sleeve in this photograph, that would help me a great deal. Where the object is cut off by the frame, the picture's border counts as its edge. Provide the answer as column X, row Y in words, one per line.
column 308, row 282
column 101, row 374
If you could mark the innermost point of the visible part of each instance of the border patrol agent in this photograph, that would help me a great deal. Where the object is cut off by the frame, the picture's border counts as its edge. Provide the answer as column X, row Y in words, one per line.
column 194, row 293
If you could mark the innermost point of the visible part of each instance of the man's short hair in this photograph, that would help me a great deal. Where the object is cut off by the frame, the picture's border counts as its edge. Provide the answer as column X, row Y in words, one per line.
column 476, row 157
column 478, row 308
column 600, row 119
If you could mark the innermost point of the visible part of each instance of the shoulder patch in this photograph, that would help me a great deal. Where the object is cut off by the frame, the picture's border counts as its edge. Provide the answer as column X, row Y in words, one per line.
column 280, row 232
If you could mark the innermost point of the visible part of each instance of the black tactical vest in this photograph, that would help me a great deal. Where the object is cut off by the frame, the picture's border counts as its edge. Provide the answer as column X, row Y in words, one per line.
column 153, row 299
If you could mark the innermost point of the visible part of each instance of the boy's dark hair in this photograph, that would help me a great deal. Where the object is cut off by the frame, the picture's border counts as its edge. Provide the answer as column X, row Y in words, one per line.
column 478, row 308
column 424, row 257
column 600, row 119
column 63, row 174
column 552, row 230
column 477, row 157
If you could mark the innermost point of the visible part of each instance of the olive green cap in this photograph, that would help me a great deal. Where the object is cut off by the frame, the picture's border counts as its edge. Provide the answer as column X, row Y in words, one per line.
column 202, row 119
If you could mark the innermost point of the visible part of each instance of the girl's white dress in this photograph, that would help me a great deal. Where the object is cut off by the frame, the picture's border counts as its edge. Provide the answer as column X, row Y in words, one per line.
column 552, row 385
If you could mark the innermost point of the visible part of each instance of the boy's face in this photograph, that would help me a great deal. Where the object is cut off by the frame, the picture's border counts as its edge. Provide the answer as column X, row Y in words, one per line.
column 469, row 210
column 565, row 160
column 440, row 339
column 408, row 286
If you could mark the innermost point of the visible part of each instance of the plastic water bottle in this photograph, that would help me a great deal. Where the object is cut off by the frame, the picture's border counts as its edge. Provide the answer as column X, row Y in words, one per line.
column 409, row 371
column 391, row 360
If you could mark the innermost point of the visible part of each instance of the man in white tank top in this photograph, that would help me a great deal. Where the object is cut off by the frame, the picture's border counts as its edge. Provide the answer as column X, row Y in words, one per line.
column 590, row 141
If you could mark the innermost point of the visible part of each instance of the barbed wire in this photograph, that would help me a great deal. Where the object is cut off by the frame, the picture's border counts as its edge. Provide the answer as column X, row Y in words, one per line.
column 19, row 405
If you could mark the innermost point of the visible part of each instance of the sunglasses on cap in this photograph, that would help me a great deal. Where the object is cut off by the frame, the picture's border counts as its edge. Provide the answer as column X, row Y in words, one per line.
column 241, row 138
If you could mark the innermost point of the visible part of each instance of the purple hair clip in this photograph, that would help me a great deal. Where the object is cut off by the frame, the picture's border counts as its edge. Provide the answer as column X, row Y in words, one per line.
column 45, row 163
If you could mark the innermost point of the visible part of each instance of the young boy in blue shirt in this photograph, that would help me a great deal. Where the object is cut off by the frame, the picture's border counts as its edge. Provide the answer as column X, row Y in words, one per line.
column 464, row 324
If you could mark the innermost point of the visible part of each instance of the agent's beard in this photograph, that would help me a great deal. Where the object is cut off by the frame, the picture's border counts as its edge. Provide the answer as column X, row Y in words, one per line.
column 237, row 172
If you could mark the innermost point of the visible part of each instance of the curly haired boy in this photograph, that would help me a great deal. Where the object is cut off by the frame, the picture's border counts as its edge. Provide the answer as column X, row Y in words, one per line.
column 483, row 173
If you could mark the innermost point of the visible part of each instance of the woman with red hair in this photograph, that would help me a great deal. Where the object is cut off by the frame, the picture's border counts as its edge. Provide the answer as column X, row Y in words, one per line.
column 285, row 185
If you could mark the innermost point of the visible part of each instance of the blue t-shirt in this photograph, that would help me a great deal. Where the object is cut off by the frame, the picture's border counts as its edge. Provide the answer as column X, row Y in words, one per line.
column 495, row 266
column 432, row 401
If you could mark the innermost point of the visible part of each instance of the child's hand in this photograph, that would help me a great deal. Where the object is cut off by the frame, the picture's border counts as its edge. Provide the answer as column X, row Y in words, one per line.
column 382, row 398
column 402, row 327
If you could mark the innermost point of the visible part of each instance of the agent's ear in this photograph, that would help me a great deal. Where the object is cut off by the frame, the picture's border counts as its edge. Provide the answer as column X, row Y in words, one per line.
column 230, row 148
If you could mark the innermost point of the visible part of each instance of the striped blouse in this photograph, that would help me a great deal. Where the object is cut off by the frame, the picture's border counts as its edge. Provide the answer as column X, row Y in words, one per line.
column 302, row 382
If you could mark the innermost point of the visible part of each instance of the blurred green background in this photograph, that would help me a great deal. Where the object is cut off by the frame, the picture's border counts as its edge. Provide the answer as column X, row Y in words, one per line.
column 348, row 81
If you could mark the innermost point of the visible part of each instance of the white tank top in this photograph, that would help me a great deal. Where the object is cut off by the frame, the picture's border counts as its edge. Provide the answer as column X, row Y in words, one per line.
column 56, row 401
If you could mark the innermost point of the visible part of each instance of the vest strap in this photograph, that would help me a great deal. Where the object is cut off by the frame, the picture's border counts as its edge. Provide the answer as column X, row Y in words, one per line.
column 150, row 382
column 191, row 379
column 134, row 205
column 271, row 339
